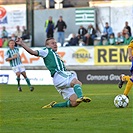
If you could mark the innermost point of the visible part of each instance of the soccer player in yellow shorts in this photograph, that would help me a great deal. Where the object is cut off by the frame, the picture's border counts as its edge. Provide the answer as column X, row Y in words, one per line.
column 127, row 78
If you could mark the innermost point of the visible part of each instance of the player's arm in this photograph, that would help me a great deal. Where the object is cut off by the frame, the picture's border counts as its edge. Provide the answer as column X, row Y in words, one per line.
column 8, row 58
column 29, row 50
column 130, row 53
column 11, row 58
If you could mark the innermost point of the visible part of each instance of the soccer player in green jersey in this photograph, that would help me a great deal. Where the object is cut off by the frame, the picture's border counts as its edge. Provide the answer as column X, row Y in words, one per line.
column 65, row 82
column 13, row 56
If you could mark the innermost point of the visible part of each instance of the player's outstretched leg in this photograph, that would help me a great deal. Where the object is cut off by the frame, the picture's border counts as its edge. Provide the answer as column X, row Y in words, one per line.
column 50, row 105
column 54, row 104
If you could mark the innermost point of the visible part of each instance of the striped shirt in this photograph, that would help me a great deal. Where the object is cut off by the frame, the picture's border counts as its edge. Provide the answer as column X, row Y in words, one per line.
column 52, row 60
column 10, row 53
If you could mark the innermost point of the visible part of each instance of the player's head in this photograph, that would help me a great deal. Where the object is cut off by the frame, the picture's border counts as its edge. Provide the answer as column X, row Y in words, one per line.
column 51, row 43
column 11, row 44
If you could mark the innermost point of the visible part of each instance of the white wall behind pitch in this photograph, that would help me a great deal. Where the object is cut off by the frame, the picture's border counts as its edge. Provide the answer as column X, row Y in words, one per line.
column 116, row 16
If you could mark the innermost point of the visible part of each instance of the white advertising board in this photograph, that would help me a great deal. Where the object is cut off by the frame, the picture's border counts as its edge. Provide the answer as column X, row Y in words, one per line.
column 77, row 55
column 11, row 16
column 26, row 58
column 37, row 77
column 70, row 56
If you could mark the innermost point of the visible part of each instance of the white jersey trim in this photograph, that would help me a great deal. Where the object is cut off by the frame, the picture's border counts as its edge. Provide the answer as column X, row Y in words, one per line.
column 43, row 53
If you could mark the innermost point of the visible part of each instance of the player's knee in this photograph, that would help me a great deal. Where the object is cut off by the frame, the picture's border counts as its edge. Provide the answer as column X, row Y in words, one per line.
column 75, row 81
column 24, row 74
column 18, row 74
column 74, row 104
column 73, row 99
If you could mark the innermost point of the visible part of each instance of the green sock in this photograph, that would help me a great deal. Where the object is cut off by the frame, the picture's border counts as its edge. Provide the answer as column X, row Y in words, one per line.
column 63, row 104
column 78, row 90
column 28, row 82
column 18, row 80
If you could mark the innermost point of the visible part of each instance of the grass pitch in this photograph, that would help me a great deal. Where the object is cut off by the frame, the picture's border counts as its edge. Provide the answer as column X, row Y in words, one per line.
column 20, row 112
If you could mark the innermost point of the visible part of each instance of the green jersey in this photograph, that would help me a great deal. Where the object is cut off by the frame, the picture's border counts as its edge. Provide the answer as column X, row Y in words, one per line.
column 10, row 53
column 51, row 60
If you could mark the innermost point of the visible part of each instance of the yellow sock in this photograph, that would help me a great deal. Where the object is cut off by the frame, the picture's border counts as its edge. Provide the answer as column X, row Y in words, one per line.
column 128, row 87
column 126, row 78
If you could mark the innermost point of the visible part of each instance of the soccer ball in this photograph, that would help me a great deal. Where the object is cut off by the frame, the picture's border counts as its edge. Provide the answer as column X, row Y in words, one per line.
column 121, row 101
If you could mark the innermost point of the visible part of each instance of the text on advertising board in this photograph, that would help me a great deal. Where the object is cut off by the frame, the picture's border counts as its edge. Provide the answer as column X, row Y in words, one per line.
column 109, row 55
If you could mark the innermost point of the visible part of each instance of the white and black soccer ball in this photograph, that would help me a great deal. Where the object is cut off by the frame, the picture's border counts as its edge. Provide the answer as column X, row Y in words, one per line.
column 121, row 101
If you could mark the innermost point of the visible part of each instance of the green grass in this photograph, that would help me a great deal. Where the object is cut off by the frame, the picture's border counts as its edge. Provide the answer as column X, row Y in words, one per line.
column 20, row 112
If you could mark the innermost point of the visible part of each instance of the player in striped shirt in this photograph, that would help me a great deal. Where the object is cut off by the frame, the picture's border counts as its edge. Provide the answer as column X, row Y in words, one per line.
column 65, row 82
column 13, row 56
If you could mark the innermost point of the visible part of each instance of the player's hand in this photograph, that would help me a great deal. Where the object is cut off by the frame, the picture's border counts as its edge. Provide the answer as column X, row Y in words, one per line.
column 15, row 56
column 130, row 58
column 19, row 41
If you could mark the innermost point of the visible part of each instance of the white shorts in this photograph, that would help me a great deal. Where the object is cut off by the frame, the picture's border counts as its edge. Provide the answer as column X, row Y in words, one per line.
column 19, row 68
column 62, row 82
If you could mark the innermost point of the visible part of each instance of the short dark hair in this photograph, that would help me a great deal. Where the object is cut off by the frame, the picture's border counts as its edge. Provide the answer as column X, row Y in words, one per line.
column 13, row 41
column 10, row 41
column 46, row 42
